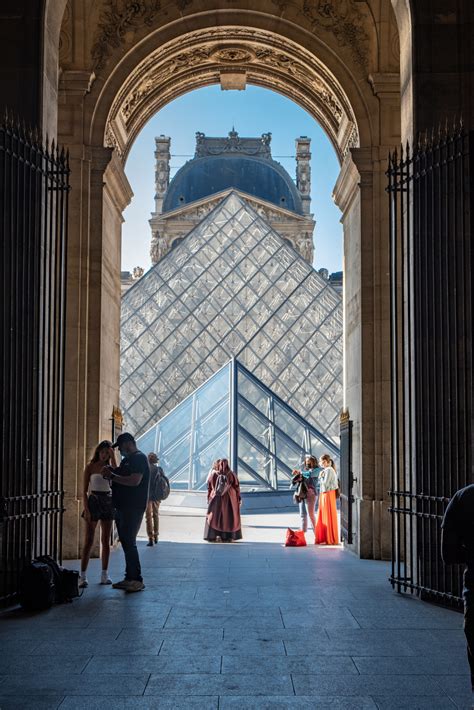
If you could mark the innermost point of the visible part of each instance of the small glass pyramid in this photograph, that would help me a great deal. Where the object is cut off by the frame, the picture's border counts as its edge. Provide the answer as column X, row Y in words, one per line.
column 233, row 415
column 232, row 288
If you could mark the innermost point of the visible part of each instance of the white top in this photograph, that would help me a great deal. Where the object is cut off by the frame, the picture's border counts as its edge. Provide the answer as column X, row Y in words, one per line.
column 99, row 483
column 328, row 480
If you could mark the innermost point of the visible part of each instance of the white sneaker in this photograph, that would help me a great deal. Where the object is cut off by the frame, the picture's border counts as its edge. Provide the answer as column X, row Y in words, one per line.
column 105, row 579
column 83, row 582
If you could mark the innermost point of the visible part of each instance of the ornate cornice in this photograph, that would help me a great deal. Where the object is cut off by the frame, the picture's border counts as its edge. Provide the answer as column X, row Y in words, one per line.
column 198, row 59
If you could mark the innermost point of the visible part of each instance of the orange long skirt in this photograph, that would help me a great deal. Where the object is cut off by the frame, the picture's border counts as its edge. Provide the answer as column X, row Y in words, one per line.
column 326, row 523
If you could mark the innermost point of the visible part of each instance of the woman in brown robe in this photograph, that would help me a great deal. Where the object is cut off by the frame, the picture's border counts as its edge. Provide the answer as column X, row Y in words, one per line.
column 223, row 509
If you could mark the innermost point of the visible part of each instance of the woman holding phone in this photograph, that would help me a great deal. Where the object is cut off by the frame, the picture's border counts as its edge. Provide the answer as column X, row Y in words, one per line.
column 310, row 474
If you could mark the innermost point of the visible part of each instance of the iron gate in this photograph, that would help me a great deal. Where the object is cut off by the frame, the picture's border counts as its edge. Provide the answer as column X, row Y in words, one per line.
column 34, row 186
column 346, row 478
column 431, row 216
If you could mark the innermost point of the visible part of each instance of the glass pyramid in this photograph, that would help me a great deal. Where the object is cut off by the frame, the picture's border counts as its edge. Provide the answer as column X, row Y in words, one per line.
column 233, row 415
column 232, row 288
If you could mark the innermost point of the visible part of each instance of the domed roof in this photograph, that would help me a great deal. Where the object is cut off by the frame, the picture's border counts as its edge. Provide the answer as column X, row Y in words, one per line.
column 257, row 176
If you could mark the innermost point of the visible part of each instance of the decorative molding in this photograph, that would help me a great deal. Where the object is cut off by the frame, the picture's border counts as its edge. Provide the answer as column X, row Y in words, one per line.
column 232, row 55
column 385, row 83
column 200, row 57
column 233, row 143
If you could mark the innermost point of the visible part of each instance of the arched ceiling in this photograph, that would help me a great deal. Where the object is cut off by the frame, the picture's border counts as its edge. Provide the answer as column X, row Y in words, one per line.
column 250, row 55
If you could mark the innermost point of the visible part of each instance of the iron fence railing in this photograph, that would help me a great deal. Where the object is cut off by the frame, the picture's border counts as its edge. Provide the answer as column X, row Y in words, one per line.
column 34, row 186
column 431, row 215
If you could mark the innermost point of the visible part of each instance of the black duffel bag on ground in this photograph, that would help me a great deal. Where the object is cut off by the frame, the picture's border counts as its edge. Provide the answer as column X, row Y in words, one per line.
column 66, row 581
column 37, row 590
column 44, row 582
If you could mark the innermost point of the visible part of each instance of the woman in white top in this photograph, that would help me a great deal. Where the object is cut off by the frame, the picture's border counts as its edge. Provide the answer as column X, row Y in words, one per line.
column 97, row 497
column 326, row 523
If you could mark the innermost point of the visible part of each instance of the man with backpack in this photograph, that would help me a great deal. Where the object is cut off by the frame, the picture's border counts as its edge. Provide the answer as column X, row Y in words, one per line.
column 159, row 490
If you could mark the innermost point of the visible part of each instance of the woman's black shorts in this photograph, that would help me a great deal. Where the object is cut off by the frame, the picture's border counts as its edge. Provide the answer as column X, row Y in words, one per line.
column 101, row 506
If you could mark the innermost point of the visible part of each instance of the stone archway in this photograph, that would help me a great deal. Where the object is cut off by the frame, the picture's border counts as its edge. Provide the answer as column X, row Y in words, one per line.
column 339, row 61
column 231, row 56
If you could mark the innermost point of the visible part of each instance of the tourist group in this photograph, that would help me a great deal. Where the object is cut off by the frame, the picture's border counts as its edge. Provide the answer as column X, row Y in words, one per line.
column 127, row 491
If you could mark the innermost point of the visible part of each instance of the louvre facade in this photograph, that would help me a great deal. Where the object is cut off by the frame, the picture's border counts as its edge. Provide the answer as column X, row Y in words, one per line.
column 232, row 288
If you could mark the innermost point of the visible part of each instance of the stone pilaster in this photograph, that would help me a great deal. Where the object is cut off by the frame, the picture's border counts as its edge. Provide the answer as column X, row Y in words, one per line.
column 162, row 180
column 360, row 194
column 162, row 170
column 99, row 193
column 303, row 171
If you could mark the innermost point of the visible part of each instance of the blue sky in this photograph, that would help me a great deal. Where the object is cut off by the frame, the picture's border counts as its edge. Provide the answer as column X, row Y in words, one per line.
column 214, row 112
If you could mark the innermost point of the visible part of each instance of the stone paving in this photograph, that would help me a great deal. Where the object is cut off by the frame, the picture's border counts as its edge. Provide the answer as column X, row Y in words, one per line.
column 251, row 625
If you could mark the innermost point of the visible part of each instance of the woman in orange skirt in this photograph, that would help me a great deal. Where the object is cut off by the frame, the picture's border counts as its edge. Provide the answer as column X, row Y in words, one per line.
column 326, row 523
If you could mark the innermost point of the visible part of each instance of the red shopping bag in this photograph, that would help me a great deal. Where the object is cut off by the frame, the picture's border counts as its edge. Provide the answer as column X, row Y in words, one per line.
column 295, row 538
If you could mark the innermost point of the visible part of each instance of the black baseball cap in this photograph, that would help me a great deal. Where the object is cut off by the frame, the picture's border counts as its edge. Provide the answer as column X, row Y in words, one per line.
column 122, row 439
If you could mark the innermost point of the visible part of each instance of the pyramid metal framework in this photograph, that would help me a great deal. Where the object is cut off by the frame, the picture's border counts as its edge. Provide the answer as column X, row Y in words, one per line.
column 232, row 288
column 234, row 416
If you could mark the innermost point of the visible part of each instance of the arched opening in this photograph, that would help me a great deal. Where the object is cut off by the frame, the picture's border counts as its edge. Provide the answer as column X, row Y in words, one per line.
column 282, row 307
column 325, row 72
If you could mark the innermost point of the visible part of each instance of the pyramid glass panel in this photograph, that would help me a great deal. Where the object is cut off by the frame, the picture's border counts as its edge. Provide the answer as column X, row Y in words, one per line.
column 233, row 416
column 232, row 288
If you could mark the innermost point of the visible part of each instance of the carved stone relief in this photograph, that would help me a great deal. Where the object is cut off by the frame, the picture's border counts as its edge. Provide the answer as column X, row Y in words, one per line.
column 343, row 18
column 116, row 19
column 269, row 61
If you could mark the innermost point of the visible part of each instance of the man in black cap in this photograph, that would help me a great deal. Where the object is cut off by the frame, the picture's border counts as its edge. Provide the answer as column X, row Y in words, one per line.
column 130, row 481
column 457, row 547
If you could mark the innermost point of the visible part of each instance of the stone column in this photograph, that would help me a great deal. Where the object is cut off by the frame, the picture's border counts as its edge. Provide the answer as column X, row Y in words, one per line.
column 99, row 193
column 360, row 194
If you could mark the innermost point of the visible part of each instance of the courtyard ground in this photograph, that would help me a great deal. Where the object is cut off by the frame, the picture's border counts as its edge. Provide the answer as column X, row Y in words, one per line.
column 251, row 625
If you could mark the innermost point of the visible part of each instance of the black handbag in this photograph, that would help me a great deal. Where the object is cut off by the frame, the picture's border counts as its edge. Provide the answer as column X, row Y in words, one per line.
column 301, row 491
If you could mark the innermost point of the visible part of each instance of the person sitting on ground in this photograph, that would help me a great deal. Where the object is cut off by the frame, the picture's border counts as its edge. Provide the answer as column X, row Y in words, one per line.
column 130, row 483
column 457, row 547
column 223, row 511
column 98, row 507
column 158, row 491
